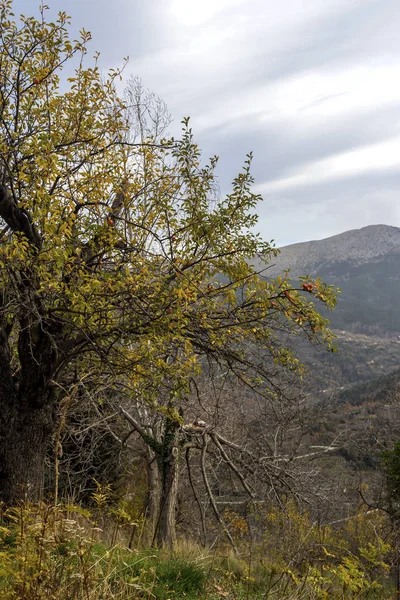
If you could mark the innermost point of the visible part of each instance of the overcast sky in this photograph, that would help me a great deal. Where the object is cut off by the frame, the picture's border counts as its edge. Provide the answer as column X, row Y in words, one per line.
column 312, row 87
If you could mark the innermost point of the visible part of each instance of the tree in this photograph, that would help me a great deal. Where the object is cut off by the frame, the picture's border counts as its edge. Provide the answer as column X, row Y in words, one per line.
column 111, row 269
column 248, row 448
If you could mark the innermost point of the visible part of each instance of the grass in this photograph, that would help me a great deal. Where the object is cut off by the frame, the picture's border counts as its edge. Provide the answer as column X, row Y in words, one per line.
column 47, row 555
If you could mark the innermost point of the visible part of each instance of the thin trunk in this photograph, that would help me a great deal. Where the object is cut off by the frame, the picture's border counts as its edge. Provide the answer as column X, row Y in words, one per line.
column 166, row 528
column 163, row 470
column 154, row 495
column 168, row 464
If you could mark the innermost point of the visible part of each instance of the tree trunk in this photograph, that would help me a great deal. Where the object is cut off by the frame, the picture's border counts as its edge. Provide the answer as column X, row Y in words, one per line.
column 27, row 422
column 153, row 496
column 166, row 529
column 163, row 471
column 24, row 437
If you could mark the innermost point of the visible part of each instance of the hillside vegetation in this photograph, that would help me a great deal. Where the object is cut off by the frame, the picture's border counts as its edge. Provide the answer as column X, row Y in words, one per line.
column 159, row 437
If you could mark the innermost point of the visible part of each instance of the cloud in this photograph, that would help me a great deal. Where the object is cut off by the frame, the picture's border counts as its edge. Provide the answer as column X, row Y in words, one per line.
column 376, row 157
column 311, row 87
column 319, row 210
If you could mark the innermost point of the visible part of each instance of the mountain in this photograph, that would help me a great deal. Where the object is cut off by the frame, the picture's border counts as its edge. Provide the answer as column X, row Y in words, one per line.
column 378, row 391
column 360, row 359
column 365, row 265
column 356, row 247
column 357, row 389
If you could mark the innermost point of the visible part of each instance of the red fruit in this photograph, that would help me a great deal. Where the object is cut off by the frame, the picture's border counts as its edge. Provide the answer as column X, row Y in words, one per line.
column 36, row 81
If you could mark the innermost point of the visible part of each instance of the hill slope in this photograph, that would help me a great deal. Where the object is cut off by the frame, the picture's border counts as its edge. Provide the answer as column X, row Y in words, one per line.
column 365, row 265
column 356, row 247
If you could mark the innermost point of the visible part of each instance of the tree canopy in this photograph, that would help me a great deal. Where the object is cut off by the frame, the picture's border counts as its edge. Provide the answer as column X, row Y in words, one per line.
column 118, row 258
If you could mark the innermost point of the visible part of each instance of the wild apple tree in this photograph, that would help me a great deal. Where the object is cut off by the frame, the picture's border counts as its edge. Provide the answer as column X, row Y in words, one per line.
column 113, row 261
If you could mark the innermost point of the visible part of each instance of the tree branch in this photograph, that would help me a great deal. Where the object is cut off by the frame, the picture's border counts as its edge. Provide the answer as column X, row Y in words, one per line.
column 210, row 494
column 18, row 218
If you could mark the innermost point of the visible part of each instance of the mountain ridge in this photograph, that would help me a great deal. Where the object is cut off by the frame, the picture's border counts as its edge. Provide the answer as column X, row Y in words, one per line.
column 355, row 247
column 364, row 264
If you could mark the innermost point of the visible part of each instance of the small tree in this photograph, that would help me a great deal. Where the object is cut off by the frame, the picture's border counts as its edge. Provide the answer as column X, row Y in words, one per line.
column 115, row 266
column 248, row 447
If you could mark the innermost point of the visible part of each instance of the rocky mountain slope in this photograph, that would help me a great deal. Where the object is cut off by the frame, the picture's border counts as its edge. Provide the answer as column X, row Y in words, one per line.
column 357, row 389
column 365, row 265
column 353, row 248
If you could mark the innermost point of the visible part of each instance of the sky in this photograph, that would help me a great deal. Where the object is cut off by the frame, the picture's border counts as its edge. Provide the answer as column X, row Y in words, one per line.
column 311, row 87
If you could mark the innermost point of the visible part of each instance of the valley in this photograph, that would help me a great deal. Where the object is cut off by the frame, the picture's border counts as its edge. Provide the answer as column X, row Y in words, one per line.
column 365, row 265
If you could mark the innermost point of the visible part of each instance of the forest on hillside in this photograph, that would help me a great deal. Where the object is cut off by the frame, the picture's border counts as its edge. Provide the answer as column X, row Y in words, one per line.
column 158, row 436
